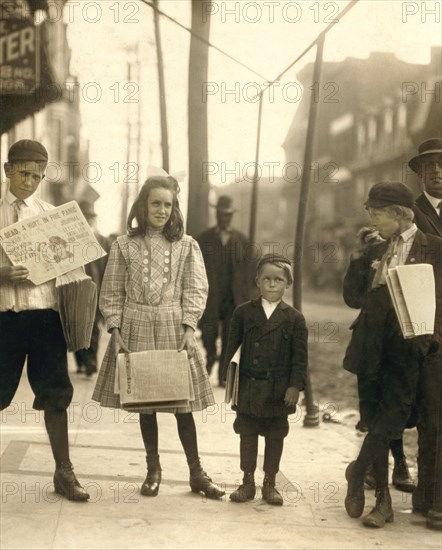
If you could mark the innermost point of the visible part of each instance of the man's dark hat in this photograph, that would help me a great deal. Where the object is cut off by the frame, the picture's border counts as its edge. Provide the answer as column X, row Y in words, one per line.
column 272, row 258
column 387, row 193
column 225, row 205
column 27, row 150
column 430, row 147
column 88, row 209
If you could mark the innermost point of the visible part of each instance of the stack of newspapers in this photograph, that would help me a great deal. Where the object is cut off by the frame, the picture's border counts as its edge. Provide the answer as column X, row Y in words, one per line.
column 413, row 293
column 77, row 305
column 232, row 379
column 154, row 379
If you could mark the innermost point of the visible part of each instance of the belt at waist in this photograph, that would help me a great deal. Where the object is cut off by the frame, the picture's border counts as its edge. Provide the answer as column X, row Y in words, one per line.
column 268, row 375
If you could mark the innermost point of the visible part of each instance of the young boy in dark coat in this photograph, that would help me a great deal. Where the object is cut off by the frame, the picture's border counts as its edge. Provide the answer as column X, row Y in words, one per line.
column 272, row 369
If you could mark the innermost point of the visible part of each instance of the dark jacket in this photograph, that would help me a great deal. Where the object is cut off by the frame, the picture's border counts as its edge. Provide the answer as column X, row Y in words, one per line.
column 425, row 216
column 96, row 269
column 377, row 317
column 273, row 356
column 236, row 250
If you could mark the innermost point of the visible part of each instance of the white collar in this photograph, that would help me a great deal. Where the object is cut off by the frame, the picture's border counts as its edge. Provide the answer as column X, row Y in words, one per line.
column 11, row 198
column 408, row 233
column 434, row 201
column 269, row 304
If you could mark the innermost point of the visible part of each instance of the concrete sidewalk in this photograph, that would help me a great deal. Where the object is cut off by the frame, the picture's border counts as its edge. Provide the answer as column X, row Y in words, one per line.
column 107, row 452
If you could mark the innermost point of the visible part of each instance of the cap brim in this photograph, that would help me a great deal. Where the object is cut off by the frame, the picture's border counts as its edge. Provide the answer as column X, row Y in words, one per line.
column 373, row 203
column 28, row 158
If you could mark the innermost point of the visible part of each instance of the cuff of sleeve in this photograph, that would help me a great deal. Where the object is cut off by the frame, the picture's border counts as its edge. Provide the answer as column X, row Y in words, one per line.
column 190, row 320
column 298, row 384
column 113, row 322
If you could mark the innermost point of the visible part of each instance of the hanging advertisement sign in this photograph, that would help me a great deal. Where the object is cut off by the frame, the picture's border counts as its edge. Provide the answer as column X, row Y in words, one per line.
column 19, row 57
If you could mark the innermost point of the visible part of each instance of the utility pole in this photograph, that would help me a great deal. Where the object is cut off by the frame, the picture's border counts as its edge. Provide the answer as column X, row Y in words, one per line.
column 312, row 416
column 162, row 89
column 125, row 173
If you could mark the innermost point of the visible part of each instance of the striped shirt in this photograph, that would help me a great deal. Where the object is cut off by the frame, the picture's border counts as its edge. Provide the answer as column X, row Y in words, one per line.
column 23, row 296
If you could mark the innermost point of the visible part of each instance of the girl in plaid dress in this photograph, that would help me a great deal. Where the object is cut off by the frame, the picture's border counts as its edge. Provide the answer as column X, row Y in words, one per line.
column 153, row 293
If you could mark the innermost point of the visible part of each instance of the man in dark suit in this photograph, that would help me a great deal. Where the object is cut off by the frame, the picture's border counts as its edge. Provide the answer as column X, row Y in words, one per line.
column 428, row 165
column 224, row 251
column 427, row 498
column 378, row 353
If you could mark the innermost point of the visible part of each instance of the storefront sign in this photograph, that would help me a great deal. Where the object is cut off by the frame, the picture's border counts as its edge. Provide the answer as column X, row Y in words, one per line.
column 19, row 57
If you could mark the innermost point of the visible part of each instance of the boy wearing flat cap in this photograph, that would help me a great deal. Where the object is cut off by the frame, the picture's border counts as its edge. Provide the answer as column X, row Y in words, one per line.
column 386, row 363
column 30, row 325
column 272, row 370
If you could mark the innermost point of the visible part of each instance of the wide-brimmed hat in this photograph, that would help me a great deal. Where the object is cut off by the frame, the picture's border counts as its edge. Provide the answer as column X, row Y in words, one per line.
column 431, row 146
column 224, row 205
column 27, row 150
column 388, row 193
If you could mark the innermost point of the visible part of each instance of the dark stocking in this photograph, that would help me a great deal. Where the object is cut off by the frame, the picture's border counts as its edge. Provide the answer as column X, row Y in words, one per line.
column 187, row 434
column 56, row 423
column 149, row 431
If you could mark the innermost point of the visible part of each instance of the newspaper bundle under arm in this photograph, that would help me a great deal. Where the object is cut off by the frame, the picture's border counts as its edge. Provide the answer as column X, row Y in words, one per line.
column 56, row 244
column 232, row 379
column 413, row 293
column 77, row 305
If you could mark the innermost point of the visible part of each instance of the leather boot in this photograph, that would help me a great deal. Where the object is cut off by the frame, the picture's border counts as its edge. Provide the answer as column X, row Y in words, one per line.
column 370, row 478
column 269, row 492
column 151, row 484
column 247, row 490
column 200, row 482
column 434, row 520
column 66, row 483
column 382, row 512
column 401, row 477
column 355, row 499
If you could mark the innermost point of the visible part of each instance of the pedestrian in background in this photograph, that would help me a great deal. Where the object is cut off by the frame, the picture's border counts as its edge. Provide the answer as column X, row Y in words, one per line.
column 30, row 327
column 153, row 295
column 224, row 251
column 427, row 498
column 272, row 371
column 378, row 353
column 86, row 359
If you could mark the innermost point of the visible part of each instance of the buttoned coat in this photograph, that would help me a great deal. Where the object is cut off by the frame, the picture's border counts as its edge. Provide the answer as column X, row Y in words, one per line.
column 377, row 317
column 273, row 356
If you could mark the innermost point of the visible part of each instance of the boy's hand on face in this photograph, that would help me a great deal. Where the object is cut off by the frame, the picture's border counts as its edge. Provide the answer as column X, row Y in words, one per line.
column 291, row 396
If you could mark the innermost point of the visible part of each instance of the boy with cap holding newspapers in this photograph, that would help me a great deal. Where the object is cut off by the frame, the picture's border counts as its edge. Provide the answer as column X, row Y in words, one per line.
column 388, row 365
column 272, row 370
column 30, row 325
